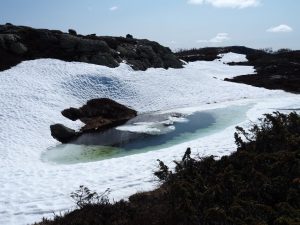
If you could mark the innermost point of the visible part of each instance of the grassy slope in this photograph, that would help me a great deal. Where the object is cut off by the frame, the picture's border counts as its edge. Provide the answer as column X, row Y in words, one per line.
column 258, row 184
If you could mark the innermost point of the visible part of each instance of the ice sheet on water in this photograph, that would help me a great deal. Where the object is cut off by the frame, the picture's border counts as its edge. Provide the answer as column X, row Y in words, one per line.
column 146, row 128
column 162, row 125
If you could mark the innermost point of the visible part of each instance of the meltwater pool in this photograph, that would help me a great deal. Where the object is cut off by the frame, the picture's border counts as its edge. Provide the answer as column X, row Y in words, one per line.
column 147, row 132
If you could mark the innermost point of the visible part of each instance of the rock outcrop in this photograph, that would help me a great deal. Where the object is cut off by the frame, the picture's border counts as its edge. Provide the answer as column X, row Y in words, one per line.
column 97, row 115
column 211, row 53
column 19, row 43
column 275, row 70
column 62, row 133
column 278, row 70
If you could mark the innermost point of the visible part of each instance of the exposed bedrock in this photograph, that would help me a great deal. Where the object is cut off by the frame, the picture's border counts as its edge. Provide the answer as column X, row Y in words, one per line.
column 19, row 43
column 275, row 70
column 97, row 115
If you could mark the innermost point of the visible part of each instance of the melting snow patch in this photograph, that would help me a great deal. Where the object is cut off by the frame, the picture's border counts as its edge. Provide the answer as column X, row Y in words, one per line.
column 232, row 57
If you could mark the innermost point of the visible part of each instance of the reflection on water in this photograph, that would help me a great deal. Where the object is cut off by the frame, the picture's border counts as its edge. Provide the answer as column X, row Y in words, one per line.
column 145, row 133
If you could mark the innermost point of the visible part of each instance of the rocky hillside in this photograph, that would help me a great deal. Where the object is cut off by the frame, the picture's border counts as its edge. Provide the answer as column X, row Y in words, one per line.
column 279, row 70
column 211, row 53
column 19, row 43
column 275, row 70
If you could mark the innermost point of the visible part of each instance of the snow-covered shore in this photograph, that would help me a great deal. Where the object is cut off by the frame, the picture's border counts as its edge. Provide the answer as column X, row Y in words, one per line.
column 33, row 93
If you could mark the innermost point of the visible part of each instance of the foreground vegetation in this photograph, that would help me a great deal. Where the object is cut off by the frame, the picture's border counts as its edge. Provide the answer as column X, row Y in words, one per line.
column 258, row 184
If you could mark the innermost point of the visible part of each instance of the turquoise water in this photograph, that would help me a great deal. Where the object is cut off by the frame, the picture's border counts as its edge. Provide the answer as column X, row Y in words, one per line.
column 114, row 143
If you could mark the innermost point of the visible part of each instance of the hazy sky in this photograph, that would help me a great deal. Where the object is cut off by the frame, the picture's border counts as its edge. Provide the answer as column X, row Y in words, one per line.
column 174, row 23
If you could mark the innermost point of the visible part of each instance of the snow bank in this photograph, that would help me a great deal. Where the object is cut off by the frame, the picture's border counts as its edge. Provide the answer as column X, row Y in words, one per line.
column 33, row 93
column 232, row 57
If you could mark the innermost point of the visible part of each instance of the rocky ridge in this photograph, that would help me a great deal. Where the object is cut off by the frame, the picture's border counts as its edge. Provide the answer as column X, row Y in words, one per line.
column 19, row 43
column 275, row 70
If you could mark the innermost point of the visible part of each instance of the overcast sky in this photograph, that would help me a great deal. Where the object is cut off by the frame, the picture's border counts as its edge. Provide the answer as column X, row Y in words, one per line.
column 174, row 23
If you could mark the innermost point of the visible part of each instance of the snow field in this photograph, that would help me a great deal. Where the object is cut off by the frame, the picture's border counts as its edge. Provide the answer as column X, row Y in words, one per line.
column 33, row 93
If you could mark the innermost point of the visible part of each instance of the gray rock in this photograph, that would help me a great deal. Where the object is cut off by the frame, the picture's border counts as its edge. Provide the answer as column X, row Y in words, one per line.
column 146, row 52
column 171, row 61
column 69, row 42
column 47, row 36
column 104, row 59
column 97, row 115
column 137, row 64
column 127, row 51
column 157, row 62
column 101, row 107
column 18, row 48
column 29, row 43
column 2, row 42
column 72, row 113
column 7, row 39
column 62, row 134
column 84, row 58
column 86, row 45
column 10, row 38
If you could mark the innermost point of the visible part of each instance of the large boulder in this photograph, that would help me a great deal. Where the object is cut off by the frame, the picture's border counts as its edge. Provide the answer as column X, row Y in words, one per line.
column 62, row 133
column 106, row 108
column 97, row 115
column 72, row 113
